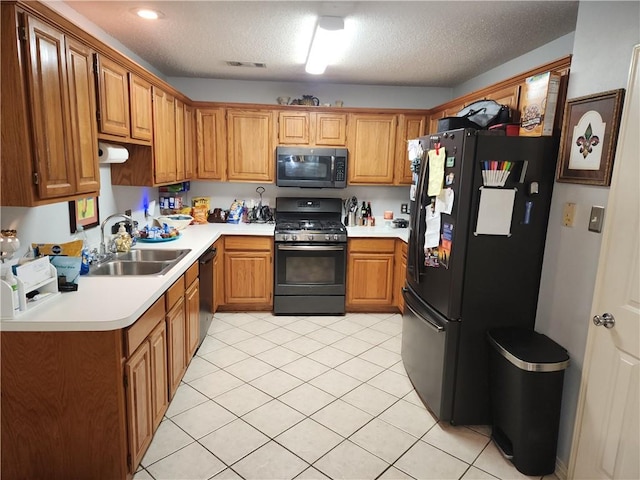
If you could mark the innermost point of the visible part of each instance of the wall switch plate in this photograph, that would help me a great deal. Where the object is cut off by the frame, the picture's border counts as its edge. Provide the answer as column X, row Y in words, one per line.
column 404, row 208
column 568, row 214
column 596, row 219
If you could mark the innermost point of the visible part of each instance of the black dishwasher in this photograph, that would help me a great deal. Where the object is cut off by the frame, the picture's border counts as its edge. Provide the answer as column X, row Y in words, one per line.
column 207, row 274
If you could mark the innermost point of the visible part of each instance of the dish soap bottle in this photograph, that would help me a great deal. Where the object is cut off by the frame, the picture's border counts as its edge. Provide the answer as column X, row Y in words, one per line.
column 123, row 240
column 82, row 235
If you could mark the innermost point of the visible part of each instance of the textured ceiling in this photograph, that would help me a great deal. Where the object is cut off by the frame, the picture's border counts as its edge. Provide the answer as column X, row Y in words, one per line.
column 419, row 43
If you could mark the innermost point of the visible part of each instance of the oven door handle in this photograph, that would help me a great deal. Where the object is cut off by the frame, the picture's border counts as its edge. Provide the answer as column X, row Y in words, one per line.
column 311, row 247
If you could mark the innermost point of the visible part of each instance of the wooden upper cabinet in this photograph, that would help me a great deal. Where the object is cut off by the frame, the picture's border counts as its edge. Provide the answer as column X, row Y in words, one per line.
column 113, row 115
column 293, row 128
column 82, row 107
column 250, row 149
column 409, row 127
column 189, row 142
column 509, row 96
column 211, row 144
column 50, row 110
column 164, row 137
column 312, row 128
column 371, row 141
column 140, row 98
column 179, row 140
column 330, row 129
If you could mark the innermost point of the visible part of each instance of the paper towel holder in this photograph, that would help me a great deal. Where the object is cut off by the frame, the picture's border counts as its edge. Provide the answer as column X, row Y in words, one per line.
column 111, row 153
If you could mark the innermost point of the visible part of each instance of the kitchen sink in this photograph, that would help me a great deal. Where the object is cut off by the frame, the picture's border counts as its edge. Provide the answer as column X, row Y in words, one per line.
column 152, row 255
column 139, row 262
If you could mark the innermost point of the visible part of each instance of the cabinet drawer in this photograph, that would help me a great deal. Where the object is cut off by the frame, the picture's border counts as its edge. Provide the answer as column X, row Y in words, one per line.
column 136, row 333
column 373, row 245
column 191, row 274
column 174, row 293
column 248, row 243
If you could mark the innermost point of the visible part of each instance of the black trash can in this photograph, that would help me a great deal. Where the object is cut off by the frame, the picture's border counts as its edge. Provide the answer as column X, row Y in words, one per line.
column 526, row 373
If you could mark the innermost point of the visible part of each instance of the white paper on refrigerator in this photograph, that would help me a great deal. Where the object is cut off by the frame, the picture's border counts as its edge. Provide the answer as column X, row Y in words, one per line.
column 495, row 211
column 432, row 230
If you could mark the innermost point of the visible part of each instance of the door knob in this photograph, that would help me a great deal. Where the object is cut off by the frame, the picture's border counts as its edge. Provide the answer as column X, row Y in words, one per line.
column 606, row 319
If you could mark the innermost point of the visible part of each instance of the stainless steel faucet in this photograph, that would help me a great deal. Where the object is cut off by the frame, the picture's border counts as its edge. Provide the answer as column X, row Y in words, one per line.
column 103, row 247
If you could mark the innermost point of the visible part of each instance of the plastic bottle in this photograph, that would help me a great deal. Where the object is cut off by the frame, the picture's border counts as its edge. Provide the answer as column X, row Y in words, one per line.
column 13, row 282
column 82, row 235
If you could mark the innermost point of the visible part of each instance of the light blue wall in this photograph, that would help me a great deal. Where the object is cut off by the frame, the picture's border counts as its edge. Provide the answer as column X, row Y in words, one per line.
column 604, row 38
column 547, row 53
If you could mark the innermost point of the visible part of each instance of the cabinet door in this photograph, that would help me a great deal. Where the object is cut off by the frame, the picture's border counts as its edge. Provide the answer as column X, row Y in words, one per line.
column 159, row 380
column 293, row 128
column 113, row 92
column 218, row 269
column 250, row 156
column 140, row 97
column 47, row 74
column 164, row 137
column 137, row 370
column 82, row 107
column 192, row 300
column 409, row 127
column 189, row 143
column 176, row 341
column 248, row 278
column 179, row 140
column 211, row 143
column 371, row 143
column 370, row 279
column 507, row 96
column 400, row 274
column 330, row 129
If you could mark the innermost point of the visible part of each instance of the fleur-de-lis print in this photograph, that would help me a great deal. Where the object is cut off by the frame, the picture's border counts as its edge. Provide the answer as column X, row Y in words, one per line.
column 587, row 142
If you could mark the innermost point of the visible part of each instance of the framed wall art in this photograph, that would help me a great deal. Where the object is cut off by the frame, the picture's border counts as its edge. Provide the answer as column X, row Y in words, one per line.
column 83, row 212
column 589, row 137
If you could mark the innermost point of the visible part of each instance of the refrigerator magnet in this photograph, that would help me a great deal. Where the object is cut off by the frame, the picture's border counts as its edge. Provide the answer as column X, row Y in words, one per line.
column 451, row 161
column 446, row 242
column 449, row 178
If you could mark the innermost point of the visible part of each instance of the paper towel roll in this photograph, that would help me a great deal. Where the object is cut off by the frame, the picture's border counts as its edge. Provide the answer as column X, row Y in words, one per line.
column 110, row 153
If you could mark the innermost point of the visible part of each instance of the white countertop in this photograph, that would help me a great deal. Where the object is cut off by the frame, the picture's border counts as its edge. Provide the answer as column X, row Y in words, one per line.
column 110, row 303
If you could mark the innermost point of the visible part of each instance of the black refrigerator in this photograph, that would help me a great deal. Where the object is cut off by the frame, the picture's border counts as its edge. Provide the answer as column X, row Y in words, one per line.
column 474, row 260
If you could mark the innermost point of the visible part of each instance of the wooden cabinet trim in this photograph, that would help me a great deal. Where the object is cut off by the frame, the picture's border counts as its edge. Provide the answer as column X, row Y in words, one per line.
column 373, row 245
column 243, row 243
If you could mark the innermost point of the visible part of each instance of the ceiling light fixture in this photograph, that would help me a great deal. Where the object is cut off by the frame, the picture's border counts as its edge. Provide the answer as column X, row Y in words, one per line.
column 148, row 14
column 327, row 41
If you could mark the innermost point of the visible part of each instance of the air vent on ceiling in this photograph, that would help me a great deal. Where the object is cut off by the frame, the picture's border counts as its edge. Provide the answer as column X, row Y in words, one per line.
column 247, row 64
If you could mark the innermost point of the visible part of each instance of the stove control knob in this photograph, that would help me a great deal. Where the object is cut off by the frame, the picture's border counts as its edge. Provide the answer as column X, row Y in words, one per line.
column 327, row 237
column 335, row 237
column 309, row 237
column 294, row 237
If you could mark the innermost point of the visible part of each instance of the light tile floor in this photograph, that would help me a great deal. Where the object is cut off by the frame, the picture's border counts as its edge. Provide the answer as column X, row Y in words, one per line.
column 283, row 397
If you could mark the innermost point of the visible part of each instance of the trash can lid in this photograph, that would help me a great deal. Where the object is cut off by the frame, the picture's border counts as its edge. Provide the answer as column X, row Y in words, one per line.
column 528, row 350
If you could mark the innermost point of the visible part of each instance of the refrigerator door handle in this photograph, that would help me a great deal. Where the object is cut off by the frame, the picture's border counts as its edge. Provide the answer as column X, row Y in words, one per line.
column 417, row 218
column 432, row 325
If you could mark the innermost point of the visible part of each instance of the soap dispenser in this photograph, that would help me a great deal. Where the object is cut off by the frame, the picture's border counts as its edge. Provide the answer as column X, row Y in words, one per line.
column 123, row 240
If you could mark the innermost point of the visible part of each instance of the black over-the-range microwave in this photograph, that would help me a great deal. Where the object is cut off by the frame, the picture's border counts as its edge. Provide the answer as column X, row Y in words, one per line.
column 311, row 167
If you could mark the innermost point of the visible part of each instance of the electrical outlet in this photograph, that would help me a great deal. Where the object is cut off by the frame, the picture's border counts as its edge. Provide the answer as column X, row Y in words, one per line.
column 404, row 208
column 568, row 214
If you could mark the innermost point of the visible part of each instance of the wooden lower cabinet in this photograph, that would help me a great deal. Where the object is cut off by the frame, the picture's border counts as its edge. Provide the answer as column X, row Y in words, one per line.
column 370, row 275
column 139, row 402
column 400, row 274
column 176, row 339
column 248, row 273
column 159, row 379
column 192, row 303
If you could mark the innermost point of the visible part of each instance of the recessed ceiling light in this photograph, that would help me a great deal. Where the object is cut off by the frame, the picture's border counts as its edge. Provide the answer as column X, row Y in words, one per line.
column 148, row 14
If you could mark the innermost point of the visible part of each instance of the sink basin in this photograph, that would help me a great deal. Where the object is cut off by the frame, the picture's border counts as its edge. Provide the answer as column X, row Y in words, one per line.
column 148, row 255
column 121, row 267
column 139, row 262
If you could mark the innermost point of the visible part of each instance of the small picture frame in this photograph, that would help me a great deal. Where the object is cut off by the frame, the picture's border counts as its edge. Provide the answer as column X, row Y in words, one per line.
column 589, row 137
column 84, row 212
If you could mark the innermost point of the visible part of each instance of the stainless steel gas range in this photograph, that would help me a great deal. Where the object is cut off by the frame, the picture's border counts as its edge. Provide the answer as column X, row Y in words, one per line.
column 310, row 257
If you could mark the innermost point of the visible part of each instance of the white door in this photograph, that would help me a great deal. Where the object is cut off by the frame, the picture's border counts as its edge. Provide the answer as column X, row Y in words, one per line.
column 606, row 441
